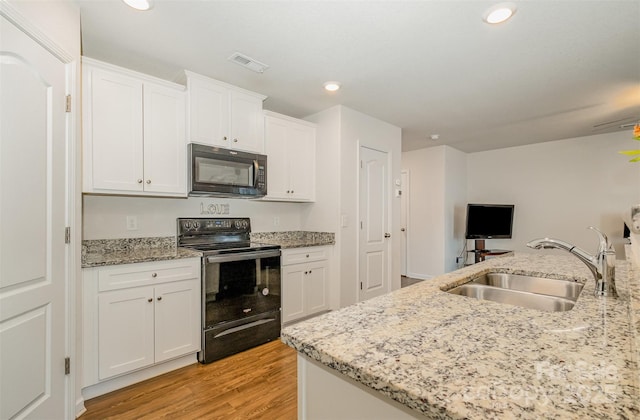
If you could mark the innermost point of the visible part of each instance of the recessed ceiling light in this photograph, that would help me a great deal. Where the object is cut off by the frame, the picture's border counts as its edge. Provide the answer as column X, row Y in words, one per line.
column 139, row 4
column 332, row 86
column 499, row 13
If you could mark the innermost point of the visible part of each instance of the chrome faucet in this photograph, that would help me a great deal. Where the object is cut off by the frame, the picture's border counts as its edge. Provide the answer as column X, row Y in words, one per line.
column 602, row 265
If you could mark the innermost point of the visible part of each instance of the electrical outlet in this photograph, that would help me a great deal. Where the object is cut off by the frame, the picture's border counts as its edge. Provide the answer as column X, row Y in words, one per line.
column 276, row 221
column 132, row 222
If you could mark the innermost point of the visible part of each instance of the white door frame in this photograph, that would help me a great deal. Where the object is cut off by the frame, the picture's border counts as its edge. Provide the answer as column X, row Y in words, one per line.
column 72, row 263
column 405, row 176
column 389, row 242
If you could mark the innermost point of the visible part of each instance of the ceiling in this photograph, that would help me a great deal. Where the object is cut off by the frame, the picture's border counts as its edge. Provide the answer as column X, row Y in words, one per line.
column 556, row 70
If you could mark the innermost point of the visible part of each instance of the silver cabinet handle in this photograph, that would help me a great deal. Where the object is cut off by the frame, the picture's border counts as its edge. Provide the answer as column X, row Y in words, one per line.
column 148, row 181
column 154, row 275
column 402, row 229
column 387, row 235
column 150, row 300
column 224, row 138
column 159, row 297
column 235, row 140
column 139, row 181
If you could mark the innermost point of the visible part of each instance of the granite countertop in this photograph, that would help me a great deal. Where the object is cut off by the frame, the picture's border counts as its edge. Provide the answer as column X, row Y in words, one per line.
column 102, row 252
column 450, row 356
column 294, row 239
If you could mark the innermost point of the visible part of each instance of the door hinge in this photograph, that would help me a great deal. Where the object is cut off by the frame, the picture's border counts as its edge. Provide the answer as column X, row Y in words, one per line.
column 360, row 285
column 67, row 235
column 68, row 104
column 67, row 365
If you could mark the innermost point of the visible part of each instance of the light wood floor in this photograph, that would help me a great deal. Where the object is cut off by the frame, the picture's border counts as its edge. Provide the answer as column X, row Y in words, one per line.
column 257, row 383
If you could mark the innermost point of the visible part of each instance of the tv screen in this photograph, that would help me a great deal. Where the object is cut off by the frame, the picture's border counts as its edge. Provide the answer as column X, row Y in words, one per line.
column 486, row 221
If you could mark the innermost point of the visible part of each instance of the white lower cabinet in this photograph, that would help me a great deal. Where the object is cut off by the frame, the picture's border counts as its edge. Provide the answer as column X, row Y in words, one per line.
column 305, row 282
column 138, row 315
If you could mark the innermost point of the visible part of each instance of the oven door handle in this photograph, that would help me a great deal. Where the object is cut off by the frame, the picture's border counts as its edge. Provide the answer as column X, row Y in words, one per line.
column 243, row 256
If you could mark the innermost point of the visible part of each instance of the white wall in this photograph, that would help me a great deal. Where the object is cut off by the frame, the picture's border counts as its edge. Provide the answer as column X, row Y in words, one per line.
column 105, row 216
column 341, row 131
column 425, row 230
column 455, row 205
column 324, row 214
column 437, row 203
column 559, row 188
column 362, row 130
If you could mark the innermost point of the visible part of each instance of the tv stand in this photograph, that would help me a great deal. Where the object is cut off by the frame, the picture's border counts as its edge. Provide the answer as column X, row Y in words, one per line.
column 480, row 252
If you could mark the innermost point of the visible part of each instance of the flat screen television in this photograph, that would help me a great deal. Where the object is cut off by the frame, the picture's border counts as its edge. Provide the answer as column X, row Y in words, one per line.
column 489, row 221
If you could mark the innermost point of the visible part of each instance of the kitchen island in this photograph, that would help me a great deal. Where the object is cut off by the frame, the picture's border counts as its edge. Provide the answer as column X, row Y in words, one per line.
column 422, row 352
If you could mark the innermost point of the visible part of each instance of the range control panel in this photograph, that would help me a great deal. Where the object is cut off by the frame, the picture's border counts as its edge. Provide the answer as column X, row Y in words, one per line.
column 208, row 226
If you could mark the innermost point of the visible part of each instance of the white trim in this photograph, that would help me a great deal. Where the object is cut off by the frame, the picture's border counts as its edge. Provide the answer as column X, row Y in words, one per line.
column 14, row 16
column 272, row 114
column 192, row 75
column 92, row 62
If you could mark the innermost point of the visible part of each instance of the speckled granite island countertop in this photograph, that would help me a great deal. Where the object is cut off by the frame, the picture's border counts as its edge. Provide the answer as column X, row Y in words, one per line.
column 294, row 239
column 450, row 356
column 102, row 252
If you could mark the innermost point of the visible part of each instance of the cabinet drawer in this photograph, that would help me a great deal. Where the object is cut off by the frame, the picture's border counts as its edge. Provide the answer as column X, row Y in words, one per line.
column 301, row 255
column 143, row 274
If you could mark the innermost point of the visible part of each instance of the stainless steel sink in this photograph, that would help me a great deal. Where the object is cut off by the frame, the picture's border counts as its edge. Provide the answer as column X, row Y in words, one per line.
column 545, row 294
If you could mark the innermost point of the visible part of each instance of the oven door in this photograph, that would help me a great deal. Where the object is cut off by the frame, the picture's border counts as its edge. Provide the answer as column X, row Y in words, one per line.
column 242, row 285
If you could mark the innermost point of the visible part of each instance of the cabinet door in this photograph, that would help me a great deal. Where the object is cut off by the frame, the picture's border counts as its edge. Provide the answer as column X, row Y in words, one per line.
column 277, row 162
column 316, row 287
column 125, row 330
column 247, row 123
column 208, row 113
column 293, row 304
column 302, row 169
column 113, row 129
column 177, row 319
column 164, row 140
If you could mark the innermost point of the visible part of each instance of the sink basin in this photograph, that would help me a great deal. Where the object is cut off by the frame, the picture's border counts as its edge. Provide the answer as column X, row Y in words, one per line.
column 544, row 294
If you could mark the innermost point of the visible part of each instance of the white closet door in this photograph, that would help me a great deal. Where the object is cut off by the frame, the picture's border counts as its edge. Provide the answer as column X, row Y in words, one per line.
column 32, row 225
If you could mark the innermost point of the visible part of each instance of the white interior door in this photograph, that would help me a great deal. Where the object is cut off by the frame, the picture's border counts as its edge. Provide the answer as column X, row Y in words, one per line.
column 374, row 264
column 404, row 213
column 32, row 225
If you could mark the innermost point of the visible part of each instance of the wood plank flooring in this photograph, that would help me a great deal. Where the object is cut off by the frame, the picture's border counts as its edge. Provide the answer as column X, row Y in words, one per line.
column 257, row 383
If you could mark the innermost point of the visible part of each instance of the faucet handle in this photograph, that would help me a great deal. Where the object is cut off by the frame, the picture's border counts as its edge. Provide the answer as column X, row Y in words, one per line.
column 604, row 241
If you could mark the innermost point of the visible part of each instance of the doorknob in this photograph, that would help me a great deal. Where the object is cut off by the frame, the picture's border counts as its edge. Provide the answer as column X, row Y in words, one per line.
column 387, row 235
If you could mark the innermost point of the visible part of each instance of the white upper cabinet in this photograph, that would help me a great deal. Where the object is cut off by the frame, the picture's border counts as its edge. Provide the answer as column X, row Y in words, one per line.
column 133, row 133
column 291, row 158
column 223, row 115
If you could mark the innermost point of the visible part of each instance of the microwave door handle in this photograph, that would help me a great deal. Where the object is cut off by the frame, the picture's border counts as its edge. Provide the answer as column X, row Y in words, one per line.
column 256, row 172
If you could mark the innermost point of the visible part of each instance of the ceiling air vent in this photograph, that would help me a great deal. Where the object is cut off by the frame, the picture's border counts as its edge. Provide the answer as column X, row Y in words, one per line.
column 248, row 62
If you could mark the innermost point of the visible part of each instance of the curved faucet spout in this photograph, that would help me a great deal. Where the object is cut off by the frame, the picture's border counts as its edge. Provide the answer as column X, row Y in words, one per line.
column 602, row 265
column 550, row 243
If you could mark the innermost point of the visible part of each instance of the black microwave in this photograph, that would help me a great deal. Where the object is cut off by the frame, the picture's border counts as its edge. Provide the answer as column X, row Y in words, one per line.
column 218, row 172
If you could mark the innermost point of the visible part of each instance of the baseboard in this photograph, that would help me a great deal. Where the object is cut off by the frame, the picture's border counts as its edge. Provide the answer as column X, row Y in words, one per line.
column 295, row 321
column 419, row 276
column 80, row 408
column 119, row 382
